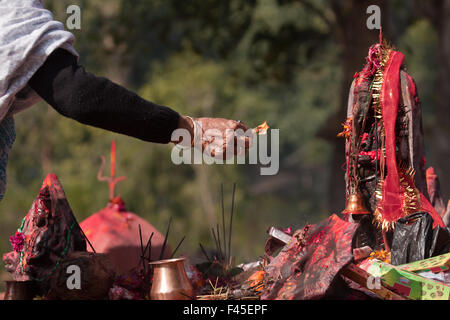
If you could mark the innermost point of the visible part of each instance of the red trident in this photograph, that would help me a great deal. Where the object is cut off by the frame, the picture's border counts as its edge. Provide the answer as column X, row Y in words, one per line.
column 112, row 180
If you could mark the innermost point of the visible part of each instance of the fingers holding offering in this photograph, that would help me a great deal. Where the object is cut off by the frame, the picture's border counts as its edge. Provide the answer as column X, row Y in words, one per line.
column 219, row 134
column 220, row 138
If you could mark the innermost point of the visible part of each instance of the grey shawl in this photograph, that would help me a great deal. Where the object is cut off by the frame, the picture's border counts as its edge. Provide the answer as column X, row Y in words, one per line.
column 28, row 35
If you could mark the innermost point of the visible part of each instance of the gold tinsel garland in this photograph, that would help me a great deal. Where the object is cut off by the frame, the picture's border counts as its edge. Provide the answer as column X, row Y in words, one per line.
column 410, row 201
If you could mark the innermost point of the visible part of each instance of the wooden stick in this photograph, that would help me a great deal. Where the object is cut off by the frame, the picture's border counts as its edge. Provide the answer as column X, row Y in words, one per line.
column 386, row 244
column 360, row 276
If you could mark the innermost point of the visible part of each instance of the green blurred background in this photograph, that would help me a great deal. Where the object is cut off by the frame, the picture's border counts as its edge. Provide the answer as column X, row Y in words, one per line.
column 288, row 62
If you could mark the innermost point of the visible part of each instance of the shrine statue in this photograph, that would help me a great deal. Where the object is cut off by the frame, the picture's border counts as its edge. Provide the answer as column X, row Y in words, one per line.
column 385, row 153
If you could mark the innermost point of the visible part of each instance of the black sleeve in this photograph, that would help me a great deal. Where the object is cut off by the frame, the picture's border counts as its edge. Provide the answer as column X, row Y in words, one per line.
column 98, row 102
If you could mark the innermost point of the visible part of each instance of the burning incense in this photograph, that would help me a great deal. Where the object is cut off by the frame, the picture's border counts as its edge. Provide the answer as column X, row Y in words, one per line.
column 165, row 240
column 223, row 222
column 179, row 244
column 142, row 250
column 204, row 252
column 231, row 222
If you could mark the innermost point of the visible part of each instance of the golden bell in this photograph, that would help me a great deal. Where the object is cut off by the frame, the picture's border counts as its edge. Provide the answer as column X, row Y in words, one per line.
column 355, row 205
column 170, row 281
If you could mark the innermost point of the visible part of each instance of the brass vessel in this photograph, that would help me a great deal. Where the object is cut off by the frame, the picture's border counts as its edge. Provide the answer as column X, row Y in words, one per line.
column 355, row 205
column 20, row 290
column 170, row 281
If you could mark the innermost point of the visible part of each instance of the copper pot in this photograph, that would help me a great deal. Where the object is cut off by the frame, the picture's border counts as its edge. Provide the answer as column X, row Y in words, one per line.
column 170, row 281
column 20, row 290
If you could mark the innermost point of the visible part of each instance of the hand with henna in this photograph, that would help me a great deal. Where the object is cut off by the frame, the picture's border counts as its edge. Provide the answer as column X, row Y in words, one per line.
column 215, row 135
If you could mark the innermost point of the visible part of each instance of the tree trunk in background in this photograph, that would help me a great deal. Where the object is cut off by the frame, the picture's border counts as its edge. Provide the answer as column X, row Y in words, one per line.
column 441, row 132
column 354, row 39
column 438, row 13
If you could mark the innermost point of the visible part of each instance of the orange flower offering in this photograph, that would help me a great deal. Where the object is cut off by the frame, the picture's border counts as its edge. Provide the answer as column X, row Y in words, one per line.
column 381, row 255
column 347, row 129
column 255, row 281
column 262, row 128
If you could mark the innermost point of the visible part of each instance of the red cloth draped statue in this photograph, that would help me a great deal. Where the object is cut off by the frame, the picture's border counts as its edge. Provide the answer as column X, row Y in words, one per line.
column 384, row 148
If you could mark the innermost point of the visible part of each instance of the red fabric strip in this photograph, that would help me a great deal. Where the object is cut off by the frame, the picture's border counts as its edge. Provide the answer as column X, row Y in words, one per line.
column 426, row 205
column 392, row 193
